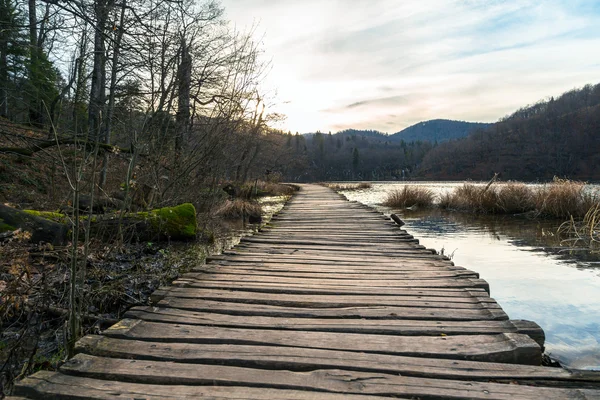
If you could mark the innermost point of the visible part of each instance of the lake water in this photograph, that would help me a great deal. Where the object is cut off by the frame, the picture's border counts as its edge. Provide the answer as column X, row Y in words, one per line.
column 530, row 274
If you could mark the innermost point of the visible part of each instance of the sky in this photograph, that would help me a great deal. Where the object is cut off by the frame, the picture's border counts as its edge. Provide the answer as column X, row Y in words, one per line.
column 388, row 64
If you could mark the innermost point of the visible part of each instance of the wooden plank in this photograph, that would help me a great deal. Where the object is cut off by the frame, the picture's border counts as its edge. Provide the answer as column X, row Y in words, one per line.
column 333, row 380
column 410, row 294
column 233, row 256
column 288, row 260
column 54, row 385
column 305, row 359
column 506, row 347
column 215, row 266
column 400, row 248
column 268, row 287
column 372, row 283
column 365, row 242
column 242, row 273
column 324, row 301
column 334, row 256
column 371, row 312
column 372, row 326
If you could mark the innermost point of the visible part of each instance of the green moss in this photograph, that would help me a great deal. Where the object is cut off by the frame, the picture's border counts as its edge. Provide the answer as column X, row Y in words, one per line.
column 5, row 227
column 53, row 216
column 177, row 222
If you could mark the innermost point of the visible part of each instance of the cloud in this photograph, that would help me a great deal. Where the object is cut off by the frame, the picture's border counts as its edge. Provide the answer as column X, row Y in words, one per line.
column 352, row 63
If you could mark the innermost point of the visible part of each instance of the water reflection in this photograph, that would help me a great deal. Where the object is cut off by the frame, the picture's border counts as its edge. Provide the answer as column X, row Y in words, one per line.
column 530, row 274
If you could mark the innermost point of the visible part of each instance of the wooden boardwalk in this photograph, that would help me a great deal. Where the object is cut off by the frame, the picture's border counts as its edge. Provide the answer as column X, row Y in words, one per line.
column 331, row 301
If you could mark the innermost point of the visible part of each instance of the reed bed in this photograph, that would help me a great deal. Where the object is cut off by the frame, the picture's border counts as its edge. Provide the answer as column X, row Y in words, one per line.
column 559, row 199
column 349, row 186
column 410, row 196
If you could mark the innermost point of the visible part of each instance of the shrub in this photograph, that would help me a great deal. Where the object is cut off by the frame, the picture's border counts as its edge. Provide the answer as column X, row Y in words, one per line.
column 239, row 208
column 262, row 188
column 410, row 196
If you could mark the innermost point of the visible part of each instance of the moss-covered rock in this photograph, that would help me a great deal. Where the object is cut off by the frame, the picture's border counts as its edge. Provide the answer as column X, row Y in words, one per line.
column 176, row 222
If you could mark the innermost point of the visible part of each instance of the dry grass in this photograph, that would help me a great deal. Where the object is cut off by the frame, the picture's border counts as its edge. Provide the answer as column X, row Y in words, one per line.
column 349, row 186
column 410, row 196
column 559, row 199
column 563, row 199
column 239, row 208
column 514, row 198
column 586, row 232
column 469, row 197
column 262, row 188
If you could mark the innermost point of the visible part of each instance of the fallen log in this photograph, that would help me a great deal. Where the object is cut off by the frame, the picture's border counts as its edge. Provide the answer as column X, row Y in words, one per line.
column 167, row 223
column 41, row 229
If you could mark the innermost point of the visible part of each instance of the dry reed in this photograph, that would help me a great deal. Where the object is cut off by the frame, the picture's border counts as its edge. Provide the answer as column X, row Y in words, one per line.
column 558, row 199
column 410, row 196
column 585, row 232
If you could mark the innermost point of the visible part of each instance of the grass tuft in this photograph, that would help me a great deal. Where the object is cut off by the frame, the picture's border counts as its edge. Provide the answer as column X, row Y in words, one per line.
column 410, row 196
column 239, row 208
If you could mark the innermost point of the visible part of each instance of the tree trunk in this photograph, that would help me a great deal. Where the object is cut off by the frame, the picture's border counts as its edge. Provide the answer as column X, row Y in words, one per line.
column 3, row 78
column 184, row 77
column 111, row 95
column 97, row 89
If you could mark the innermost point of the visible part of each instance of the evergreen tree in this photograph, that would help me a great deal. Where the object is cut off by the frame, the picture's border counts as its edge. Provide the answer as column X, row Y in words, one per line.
column 13, row 50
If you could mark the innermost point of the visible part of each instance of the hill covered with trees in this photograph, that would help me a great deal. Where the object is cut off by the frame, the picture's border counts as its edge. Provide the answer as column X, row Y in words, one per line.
column 438, row 130
column 554, row 137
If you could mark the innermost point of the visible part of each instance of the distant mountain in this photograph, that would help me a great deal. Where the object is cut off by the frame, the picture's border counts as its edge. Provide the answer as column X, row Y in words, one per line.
column 437, row 130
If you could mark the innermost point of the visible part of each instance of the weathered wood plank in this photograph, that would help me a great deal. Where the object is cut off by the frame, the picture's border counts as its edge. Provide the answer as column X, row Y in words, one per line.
column 53, row 385
column 330, row 256
column 304, row 359
column 506, row 347
column 401, row 248
column 292, row 241
column 373, row 326
column 434, row 273
column 332, row 380
column 371, row 312
column 287, row 260
column 324, row 301
column 373, row 283
column 268, row 287
column 217, row 266
column 344, row 259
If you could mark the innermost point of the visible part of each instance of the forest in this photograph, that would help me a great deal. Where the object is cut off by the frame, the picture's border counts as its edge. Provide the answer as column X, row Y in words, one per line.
column 552, row 138
column 164, row 95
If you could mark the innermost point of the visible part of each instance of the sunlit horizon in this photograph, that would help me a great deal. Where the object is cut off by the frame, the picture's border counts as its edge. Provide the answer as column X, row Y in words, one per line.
column 385, row 66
